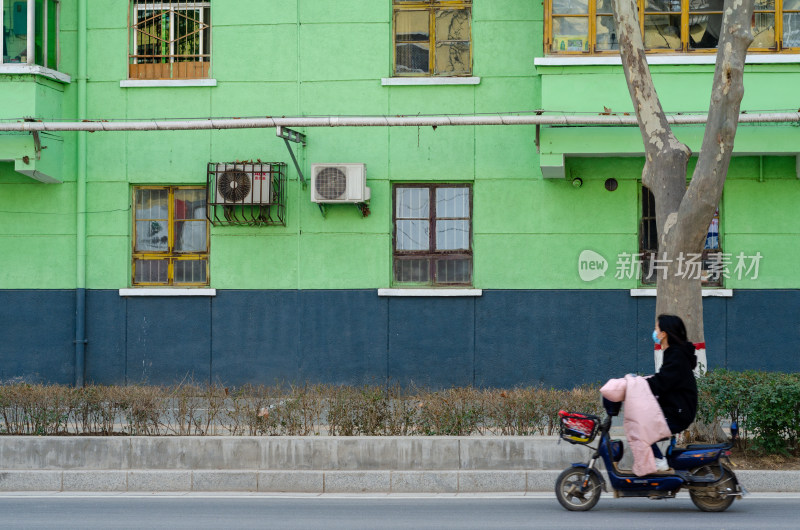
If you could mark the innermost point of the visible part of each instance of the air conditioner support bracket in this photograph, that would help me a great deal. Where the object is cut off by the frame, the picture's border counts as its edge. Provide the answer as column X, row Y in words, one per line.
column 37, row 143
column 363, row 207
column 290, row 135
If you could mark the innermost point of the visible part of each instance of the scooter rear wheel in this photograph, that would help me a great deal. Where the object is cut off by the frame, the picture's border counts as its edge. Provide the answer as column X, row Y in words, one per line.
column 714, row 498
column 573, row 493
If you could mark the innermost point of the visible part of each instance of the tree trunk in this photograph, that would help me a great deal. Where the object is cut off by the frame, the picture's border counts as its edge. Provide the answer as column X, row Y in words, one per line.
column 683, row 215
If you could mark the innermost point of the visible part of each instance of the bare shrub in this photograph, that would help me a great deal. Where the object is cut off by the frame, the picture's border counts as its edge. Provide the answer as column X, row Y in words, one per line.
column 515, row 412
column 453, row 412
column 35, row 409
column 551, row 400
column 95, row 409
column 402, row 414
column 143, row 408
column 193, row 409
column 301, row 410
column 341, row 411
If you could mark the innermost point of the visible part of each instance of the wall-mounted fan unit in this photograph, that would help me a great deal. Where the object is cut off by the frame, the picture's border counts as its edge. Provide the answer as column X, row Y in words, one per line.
column 243, row 184
column 339, row 183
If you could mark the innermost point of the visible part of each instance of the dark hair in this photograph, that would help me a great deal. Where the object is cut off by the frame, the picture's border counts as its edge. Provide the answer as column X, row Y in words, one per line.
column 673, row 326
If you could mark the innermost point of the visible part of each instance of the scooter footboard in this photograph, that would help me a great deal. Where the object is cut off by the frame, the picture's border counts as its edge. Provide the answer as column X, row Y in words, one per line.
column 648, row 483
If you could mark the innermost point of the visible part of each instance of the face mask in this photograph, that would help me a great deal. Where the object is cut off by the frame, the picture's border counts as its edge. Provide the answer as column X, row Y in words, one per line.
column 655, row 337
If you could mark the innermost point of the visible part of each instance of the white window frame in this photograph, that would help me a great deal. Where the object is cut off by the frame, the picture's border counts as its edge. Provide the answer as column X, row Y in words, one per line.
column 30, row 45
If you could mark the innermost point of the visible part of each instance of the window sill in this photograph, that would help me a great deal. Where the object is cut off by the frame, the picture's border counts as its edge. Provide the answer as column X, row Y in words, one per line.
column 166, row 291
column 34, row 69
column 425, row 81
column 143, row 83
column 430, row 292
column 710, row 292
column 659, row 59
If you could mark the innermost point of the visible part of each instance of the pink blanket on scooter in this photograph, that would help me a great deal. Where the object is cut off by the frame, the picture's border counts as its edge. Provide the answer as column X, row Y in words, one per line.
column 644, row 421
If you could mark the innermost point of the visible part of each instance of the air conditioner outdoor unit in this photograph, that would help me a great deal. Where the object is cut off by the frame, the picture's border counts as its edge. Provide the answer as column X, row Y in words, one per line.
column 332, row 183
column 243, row 184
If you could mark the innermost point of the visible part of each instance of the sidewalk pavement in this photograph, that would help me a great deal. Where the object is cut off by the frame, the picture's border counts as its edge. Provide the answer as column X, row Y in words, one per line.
column 476, row 464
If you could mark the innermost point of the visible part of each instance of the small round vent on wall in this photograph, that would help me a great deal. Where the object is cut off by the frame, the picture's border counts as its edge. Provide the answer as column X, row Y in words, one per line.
column 234, row 186
column 331, row 183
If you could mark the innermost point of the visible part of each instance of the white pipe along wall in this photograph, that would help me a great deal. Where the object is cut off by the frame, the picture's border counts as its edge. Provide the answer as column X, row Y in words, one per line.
column 372, row 121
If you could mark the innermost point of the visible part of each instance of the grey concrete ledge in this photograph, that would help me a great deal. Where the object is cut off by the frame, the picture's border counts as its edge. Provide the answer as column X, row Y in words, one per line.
column 225, row 480
column 167, row 291
column 429, row 81
column 262, row 453
column 159, row 480
column 707, row 292
column 291, row 481
column 162, row 83
column 769, row 481
column 319, row 482
column 15, row 480
column 478, row 464
column 430, row 292
column 104, row 481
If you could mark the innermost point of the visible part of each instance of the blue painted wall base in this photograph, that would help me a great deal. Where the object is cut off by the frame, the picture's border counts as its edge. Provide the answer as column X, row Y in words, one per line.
column 504, row 338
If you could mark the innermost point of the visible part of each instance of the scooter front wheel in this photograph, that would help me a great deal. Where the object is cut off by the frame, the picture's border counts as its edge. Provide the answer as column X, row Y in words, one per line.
column 576, row 490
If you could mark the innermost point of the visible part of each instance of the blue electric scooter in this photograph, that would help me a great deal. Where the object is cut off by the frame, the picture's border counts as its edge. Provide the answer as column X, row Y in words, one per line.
column 703, row 469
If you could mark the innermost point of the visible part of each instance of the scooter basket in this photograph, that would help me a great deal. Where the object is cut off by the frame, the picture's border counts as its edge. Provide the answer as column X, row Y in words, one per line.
column 577, row 428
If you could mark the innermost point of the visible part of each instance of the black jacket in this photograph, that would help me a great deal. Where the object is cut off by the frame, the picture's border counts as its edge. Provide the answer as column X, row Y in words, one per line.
column 675, row 388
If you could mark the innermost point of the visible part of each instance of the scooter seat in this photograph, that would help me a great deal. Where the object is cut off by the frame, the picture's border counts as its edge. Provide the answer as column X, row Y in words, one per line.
column 695, row 447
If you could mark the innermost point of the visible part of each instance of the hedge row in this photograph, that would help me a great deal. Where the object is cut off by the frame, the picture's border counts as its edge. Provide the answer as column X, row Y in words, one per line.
column 190, row 409
column 765, row 405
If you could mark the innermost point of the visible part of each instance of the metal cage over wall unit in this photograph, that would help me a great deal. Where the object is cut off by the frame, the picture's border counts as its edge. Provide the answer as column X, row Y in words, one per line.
column 247, row 193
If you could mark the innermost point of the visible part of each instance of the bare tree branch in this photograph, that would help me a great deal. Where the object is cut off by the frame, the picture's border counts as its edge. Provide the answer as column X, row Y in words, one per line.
column 708, row 179
column 660, row 144
column 683, row 215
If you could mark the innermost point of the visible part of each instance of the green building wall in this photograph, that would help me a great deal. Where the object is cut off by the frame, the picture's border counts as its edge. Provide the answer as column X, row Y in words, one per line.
column 317, row 57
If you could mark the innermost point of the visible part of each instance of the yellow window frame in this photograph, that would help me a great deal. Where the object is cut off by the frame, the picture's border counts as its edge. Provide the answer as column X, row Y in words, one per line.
column 592, row 15
column 429, row 6
column 170, row 255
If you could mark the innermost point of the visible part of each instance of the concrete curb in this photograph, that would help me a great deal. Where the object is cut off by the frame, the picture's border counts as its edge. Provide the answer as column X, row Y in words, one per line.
column 303, row 465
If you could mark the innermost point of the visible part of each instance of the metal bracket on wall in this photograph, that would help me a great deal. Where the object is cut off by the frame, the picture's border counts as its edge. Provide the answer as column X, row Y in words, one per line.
column 290, row 135
column 362, row 207
column 37, row 143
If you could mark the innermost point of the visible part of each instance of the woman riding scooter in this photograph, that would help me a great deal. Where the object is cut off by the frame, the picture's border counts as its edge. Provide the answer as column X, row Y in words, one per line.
column 674, row 385
column 655, row 407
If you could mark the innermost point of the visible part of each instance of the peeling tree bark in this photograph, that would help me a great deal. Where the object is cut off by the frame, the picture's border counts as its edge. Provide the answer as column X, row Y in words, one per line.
column 683, row 215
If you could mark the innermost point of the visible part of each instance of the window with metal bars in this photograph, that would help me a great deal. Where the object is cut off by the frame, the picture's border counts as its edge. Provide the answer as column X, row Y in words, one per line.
column 170, row 236
column 170, row 39
column 707, row 262
column 432, row 37
column 587, row 26
column 432, row 234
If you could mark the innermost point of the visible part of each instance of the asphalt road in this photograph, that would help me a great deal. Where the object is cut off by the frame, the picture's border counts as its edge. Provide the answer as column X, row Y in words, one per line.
column 383, row 512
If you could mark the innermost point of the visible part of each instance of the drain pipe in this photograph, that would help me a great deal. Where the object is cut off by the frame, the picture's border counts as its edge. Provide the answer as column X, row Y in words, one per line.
column 80, row 235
